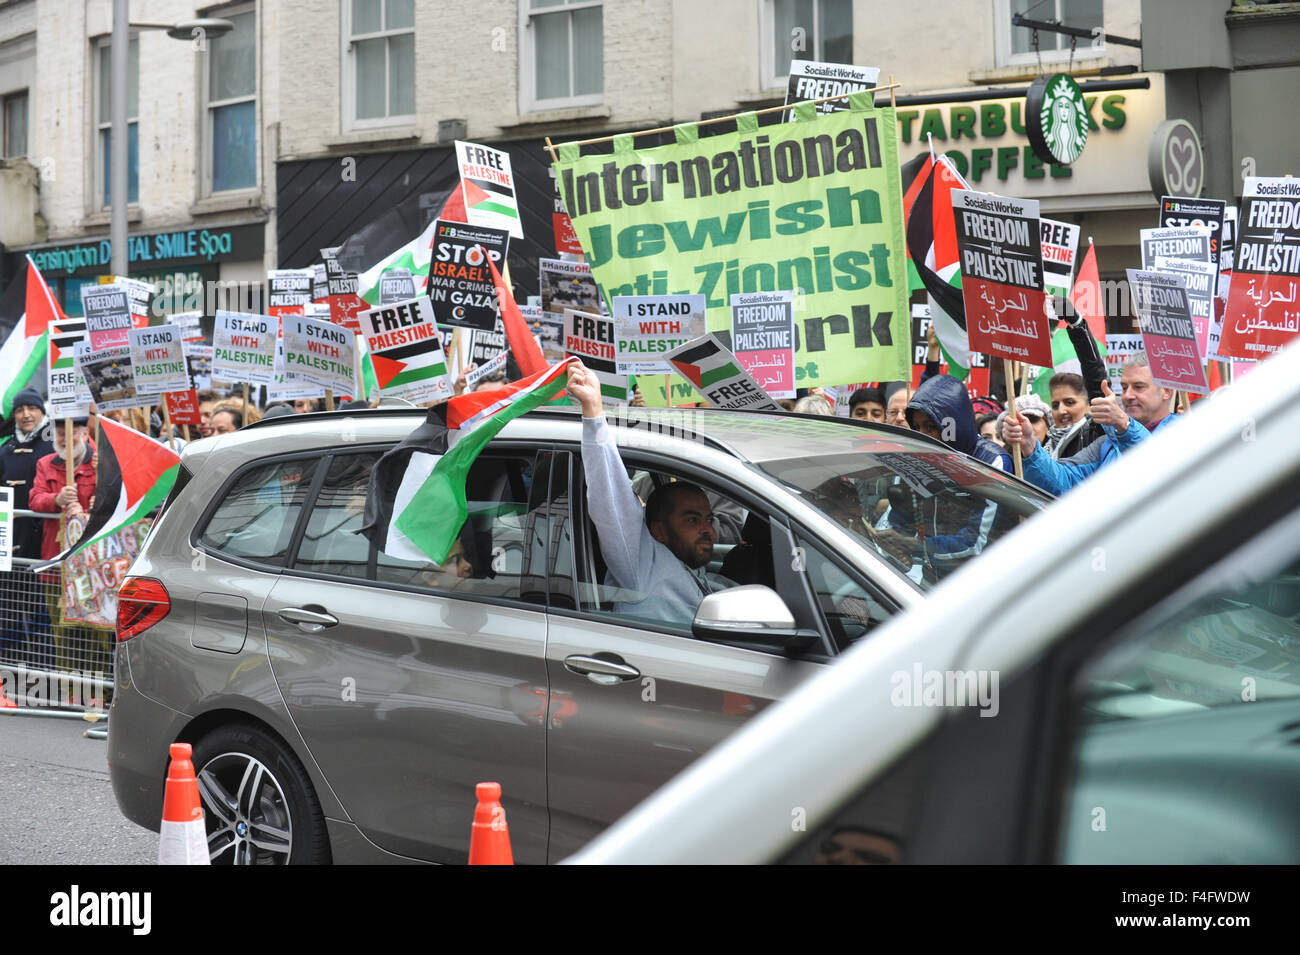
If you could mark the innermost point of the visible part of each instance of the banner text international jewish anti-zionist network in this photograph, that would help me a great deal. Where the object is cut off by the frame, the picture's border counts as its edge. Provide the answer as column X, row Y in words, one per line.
column 813, row 206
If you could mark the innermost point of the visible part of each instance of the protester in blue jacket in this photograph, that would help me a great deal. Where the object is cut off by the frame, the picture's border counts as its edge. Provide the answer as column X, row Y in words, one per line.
column 1144, row 410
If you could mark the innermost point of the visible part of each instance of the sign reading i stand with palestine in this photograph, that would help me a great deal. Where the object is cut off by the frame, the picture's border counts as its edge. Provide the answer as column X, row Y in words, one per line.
column 1168, row 334
column 647, row 327
column 1002, row 276
column 1263, row 313
column 1056, row 119
column 243, row 347
column 158, row 357
column 320, row 353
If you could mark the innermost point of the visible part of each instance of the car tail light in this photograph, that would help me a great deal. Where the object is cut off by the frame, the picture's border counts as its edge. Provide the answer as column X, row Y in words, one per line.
column 141, row 602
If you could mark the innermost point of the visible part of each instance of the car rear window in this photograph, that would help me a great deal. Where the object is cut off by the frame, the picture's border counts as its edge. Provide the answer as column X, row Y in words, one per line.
column 257, row 514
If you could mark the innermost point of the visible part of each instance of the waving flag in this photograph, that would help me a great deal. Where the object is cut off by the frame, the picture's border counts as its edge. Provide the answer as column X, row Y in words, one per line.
column 24, row 349
column 1086, row 297
column 932, row 244
column 415, row 256
column 133, row 475
column 415, row 506
column 523, row 346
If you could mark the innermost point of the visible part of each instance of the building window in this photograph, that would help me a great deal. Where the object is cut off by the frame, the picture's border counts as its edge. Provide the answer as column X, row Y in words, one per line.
column 379, row 86
column 104, row 121
column 1016, row 44
column 15, row 125
column 231, row 94
column 563, row 55
column 804, row 30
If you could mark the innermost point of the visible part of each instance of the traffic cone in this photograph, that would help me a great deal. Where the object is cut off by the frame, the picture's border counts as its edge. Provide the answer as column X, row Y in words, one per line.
column 5, row 702
column 184, row 837
column 489, row 839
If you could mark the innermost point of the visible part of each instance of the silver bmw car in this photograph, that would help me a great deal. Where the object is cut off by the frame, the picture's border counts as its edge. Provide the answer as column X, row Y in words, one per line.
column 343, row 703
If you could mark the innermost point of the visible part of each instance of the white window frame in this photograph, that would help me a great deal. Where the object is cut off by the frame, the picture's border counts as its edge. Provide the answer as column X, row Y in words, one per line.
column 209, row 106
column 767, row 40
column 100, row 187
column 1002, row 9
column 349, row 98
column 528, row 101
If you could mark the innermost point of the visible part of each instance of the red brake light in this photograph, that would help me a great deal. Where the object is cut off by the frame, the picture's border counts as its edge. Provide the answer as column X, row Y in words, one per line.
column 141, row 602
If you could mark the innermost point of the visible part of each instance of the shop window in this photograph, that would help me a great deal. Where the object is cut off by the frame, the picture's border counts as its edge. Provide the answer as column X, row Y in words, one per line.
column 562, row 61
column 379, row 58
column 230, row 91
column 1016, row 44
column 104, row 121
column 804, row 30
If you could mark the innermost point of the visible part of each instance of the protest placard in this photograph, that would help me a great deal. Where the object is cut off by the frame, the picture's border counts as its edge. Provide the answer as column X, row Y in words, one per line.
column 714, row 371
column 1060, row 243
column 243, row 347
column 321, row 353
column 183, row 407
column 139, row 295
column 198, row 363
column 1227, row 251
column 1168, row 334
column 1179, row 212
column 406, row 350
column 810, row 79
column 1263, row 312
column 460, row 278
column 65, row 384
column 493, row 367
column 190, row 324
column 1185, row 242
column 1118, row 349
column 320, row 284
column 158, row 360
column 110, row 377
column 977, row 377
column 396, row 285
column 591, row 338
column 1200, row 279
column 762, row 339
column 1002, row 276
column 91, row 577
column 813, row 205
column 488, row 187
column 288, row 290
column 345, row 304
column 6, row 529
column 566, row 240
column 647, row 327
column 548, row 328
column 108, row 315
column 565, row 285
column 487, row 346
column 285, row 389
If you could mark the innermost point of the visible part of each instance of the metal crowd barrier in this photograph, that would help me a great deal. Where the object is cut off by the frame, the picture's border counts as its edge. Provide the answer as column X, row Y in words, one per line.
column 48, row 667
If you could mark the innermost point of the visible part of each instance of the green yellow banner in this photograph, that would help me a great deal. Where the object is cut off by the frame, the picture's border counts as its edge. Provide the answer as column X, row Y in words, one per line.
column 814, row 206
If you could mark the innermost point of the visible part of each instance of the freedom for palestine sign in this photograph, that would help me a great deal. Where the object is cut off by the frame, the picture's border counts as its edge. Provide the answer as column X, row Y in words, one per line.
column 1057, row 119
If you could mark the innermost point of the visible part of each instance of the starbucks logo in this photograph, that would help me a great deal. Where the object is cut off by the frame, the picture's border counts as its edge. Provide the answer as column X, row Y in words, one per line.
column 1057, row 119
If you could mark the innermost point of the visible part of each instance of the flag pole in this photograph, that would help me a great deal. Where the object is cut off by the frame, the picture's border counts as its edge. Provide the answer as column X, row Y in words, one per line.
column 245, row 414
column 329, row 399
column 1011, row 411
column 167, row 426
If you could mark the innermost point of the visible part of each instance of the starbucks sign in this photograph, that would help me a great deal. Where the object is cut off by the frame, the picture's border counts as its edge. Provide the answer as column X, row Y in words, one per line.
column 1056, row 119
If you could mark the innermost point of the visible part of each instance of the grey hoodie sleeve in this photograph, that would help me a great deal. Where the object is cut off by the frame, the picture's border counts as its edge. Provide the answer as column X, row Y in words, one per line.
column 625, row 541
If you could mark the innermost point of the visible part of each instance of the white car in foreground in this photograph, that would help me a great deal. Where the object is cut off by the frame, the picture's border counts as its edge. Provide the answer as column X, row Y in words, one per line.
column 1117, row 681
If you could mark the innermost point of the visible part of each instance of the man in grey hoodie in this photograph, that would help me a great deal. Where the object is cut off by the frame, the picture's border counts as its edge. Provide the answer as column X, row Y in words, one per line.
column 656, row 555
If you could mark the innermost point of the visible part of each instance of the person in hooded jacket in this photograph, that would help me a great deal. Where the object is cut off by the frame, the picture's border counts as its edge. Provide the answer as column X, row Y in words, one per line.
column 941, row 408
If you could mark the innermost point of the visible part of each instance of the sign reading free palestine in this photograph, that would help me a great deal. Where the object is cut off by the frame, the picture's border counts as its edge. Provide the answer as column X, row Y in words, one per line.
column 815, row 205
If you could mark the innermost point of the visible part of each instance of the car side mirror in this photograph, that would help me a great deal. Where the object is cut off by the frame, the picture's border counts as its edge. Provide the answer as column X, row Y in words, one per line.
column 753, row 615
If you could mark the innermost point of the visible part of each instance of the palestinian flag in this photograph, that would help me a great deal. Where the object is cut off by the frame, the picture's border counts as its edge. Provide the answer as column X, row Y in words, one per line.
column 415, row 506
column 414, row 255
column 706, row 365
column 1086, row 297
column 932, row 245
column 133, row 475
column 1064, row 359
column 24, row 348
column 914, row 174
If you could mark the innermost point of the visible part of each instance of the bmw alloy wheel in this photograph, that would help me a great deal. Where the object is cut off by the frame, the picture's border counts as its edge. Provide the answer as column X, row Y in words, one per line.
column 247, row 815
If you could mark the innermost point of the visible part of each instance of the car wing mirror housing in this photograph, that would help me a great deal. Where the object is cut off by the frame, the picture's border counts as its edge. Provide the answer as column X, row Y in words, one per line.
column 751, row 616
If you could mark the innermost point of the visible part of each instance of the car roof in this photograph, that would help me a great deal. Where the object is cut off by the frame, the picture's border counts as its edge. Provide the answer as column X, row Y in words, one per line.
column 841, row 729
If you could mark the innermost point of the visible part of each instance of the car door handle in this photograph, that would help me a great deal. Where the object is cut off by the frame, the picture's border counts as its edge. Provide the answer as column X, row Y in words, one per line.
column 310, row 621
column 604, row 672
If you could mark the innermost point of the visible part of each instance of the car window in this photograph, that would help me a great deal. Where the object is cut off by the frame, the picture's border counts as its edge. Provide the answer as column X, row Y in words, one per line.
column 850, row 610
column 331, row 542
column 499, row 542
column 257, row 515
column 742, row 554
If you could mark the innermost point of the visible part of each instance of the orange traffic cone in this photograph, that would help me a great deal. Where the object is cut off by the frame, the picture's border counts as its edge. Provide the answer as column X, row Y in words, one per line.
column 184, row 837
column 489, row 839
column 5, row 702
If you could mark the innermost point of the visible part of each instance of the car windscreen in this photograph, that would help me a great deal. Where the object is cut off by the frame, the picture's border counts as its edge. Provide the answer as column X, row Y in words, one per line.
column 927, row 512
